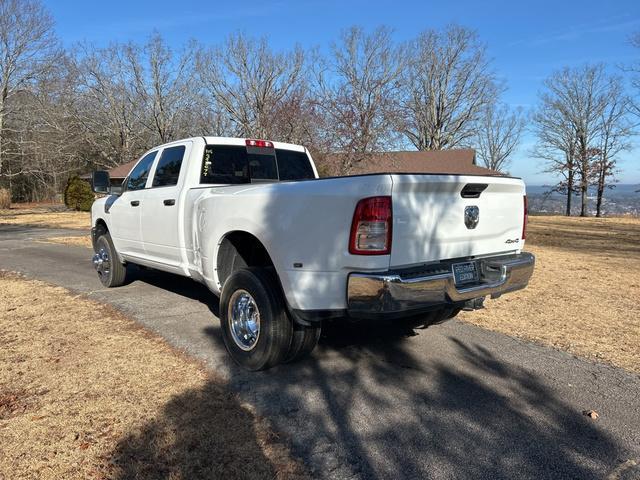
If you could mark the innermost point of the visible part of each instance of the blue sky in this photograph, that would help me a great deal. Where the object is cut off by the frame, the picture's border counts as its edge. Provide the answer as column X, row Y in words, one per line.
column 526, row 40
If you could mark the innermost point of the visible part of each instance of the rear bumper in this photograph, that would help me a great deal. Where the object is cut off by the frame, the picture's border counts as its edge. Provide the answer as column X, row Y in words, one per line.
column 395, row 293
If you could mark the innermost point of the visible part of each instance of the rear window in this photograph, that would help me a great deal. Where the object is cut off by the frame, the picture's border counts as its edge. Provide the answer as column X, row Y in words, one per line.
column 234, row 164
column 293, row 165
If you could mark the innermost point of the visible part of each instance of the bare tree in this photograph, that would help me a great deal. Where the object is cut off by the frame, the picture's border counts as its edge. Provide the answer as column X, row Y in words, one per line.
column 206, row 117
column 164, row 87
column 587, row 93
column 356, row 90
column 581, row 127
column 43, row 145
column 28, row 49
column 498, row 135
column 249, row 82
column 107, row 104
column 65, row 113
column 556, row 145
column 446, row 86
column 576, row 99
column 615, row 133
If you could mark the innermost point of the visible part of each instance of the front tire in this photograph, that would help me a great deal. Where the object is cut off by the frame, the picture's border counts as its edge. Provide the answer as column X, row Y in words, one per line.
column 111, row 272
column 255, row 327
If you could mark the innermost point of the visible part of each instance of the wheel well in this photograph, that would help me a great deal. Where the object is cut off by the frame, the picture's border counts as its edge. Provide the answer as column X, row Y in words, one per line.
column 101, row 224
column 100, row 228
column 240, row 250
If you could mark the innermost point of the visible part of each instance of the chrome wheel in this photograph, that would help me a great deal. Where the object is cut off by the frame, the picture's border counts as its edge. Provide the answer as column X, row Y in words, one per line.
column 244, row 320
column 101, row 262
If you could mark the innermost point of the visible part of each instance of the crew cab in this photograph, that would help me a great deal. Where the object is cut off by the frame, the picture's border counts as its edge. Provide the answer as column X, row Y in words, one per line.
column 285, row 250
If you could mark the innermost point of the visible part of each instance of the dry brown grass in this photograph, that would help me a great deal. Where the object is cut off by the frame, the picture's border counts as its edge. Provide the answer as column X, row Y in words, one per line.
column 85, row 393
column 81, row 241
column 616, row 236
column 583, row 296
column 46, row 216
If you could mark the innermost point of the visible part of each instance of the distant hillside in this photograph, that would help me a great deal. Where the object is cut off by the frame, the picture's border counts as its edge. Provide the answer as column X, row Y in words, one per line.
column 623, row 199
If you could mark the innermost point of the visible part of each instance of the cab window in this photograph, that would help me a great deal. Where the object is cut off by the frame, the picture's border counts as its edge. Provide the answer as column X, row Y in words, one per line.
column 138, row 176
column 225, row 164
column 168, row 168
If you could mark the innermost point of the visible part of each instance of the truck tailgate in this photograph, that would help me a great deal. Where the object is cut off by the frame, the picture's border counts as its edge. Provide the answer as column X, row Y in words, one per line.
column 429, row 217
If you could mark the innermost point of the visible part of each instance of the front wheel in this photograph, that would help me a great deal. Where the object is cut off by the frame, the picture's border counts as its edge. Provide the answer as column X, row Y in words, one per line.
column 256, row 329
column 111, row 272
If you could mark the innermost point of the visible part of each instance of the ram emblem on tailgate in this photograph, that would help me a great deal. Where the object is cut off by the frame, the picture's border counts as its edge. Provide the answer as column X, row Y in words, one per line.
column 471, row 216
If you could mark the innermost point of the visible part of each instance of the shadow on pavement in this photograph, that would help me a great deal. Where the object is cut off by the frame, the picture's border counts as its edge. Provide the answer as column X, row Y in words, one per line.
column 182, row 286
column 474, row 418
column 365, row 405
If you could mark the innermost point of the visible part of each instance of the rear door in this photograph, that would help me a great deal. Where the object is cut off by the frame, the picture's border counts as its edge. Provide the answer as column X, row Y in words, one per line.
column 124, row 212
column 160, row 217
column 440, row 217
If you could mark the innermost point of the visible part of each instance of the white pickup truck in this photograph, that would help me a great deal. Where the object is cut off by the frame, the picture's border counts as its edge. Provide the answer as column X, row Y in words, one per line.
column 285, row 250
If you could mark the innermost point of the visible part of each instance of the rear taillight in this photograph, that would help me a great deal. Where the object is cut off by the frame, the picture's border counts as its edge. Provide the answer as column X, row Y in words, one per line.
column 526, row 218
column 371, row 227
column 258, row 143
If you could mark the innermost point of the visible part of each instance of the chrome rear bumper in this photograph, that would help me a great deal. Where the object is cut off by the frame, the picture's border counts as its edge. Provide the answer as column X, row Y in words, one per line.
column 370, row 294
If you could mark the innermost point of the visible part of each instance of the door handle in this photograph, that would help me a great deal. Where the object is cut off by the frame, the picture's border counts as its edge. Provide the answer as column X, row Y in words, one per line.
column 135, row 203
column 169, row 202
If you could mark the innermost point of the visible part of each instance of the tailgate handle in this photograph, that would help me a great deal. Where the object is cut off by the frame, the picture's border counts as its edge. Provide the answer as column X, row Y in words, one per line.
column 473, row 190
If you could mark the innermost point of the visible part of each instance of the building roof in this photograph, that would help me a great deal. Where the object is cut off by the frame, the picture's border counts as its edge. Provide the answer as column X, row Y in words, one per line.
column 460, row 162
column 121, row 171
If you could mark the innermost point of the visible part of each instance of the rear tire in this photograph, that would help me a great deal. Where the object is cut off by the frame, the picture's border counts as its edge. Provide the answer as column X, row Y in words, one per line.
column 303, row 342
column 255, row 327
column 111, row 272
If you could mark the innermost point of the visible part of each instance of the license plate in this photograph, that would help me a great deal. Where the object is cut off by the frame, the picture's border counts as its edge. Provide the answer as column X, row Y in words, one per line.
column 464, row 273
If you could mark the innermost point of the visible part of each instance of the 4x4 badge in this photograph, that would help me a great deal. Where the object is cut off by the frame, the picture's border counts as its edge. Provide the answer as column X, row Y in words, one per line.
column 471, row 216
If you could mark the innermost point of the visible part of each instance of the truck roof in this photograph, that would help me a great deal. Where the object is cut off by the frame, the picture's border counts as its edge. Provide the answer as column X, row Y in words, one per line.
column 241, row 141
column 121, row 171
column 234, row 141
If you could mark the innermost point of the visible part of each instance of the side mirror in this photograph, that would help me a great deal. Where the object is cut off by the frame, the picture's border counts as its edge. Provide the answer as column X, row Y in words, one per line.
column 101, row 182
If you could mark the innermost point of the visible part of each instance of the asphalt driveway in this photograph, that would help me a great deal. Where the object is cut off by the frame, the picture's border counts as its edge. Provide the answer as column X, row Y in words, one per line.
column 450, row 401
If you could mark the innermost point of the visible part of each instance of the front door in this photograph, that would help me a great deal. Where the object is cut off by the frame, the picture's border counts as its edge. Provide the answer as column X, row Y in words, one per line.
column 126, row 209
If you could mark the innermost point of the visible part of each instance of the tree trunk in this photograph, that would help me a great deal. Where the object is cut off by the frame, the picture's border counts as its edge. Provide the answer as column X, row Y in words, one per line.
column 1, row 132
column 569, row 193
column 583, row 165
column 601, row 185
column 55, row 185
column 4, row 95
column 10, row 185
column 599, row 201
column 583, row 190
